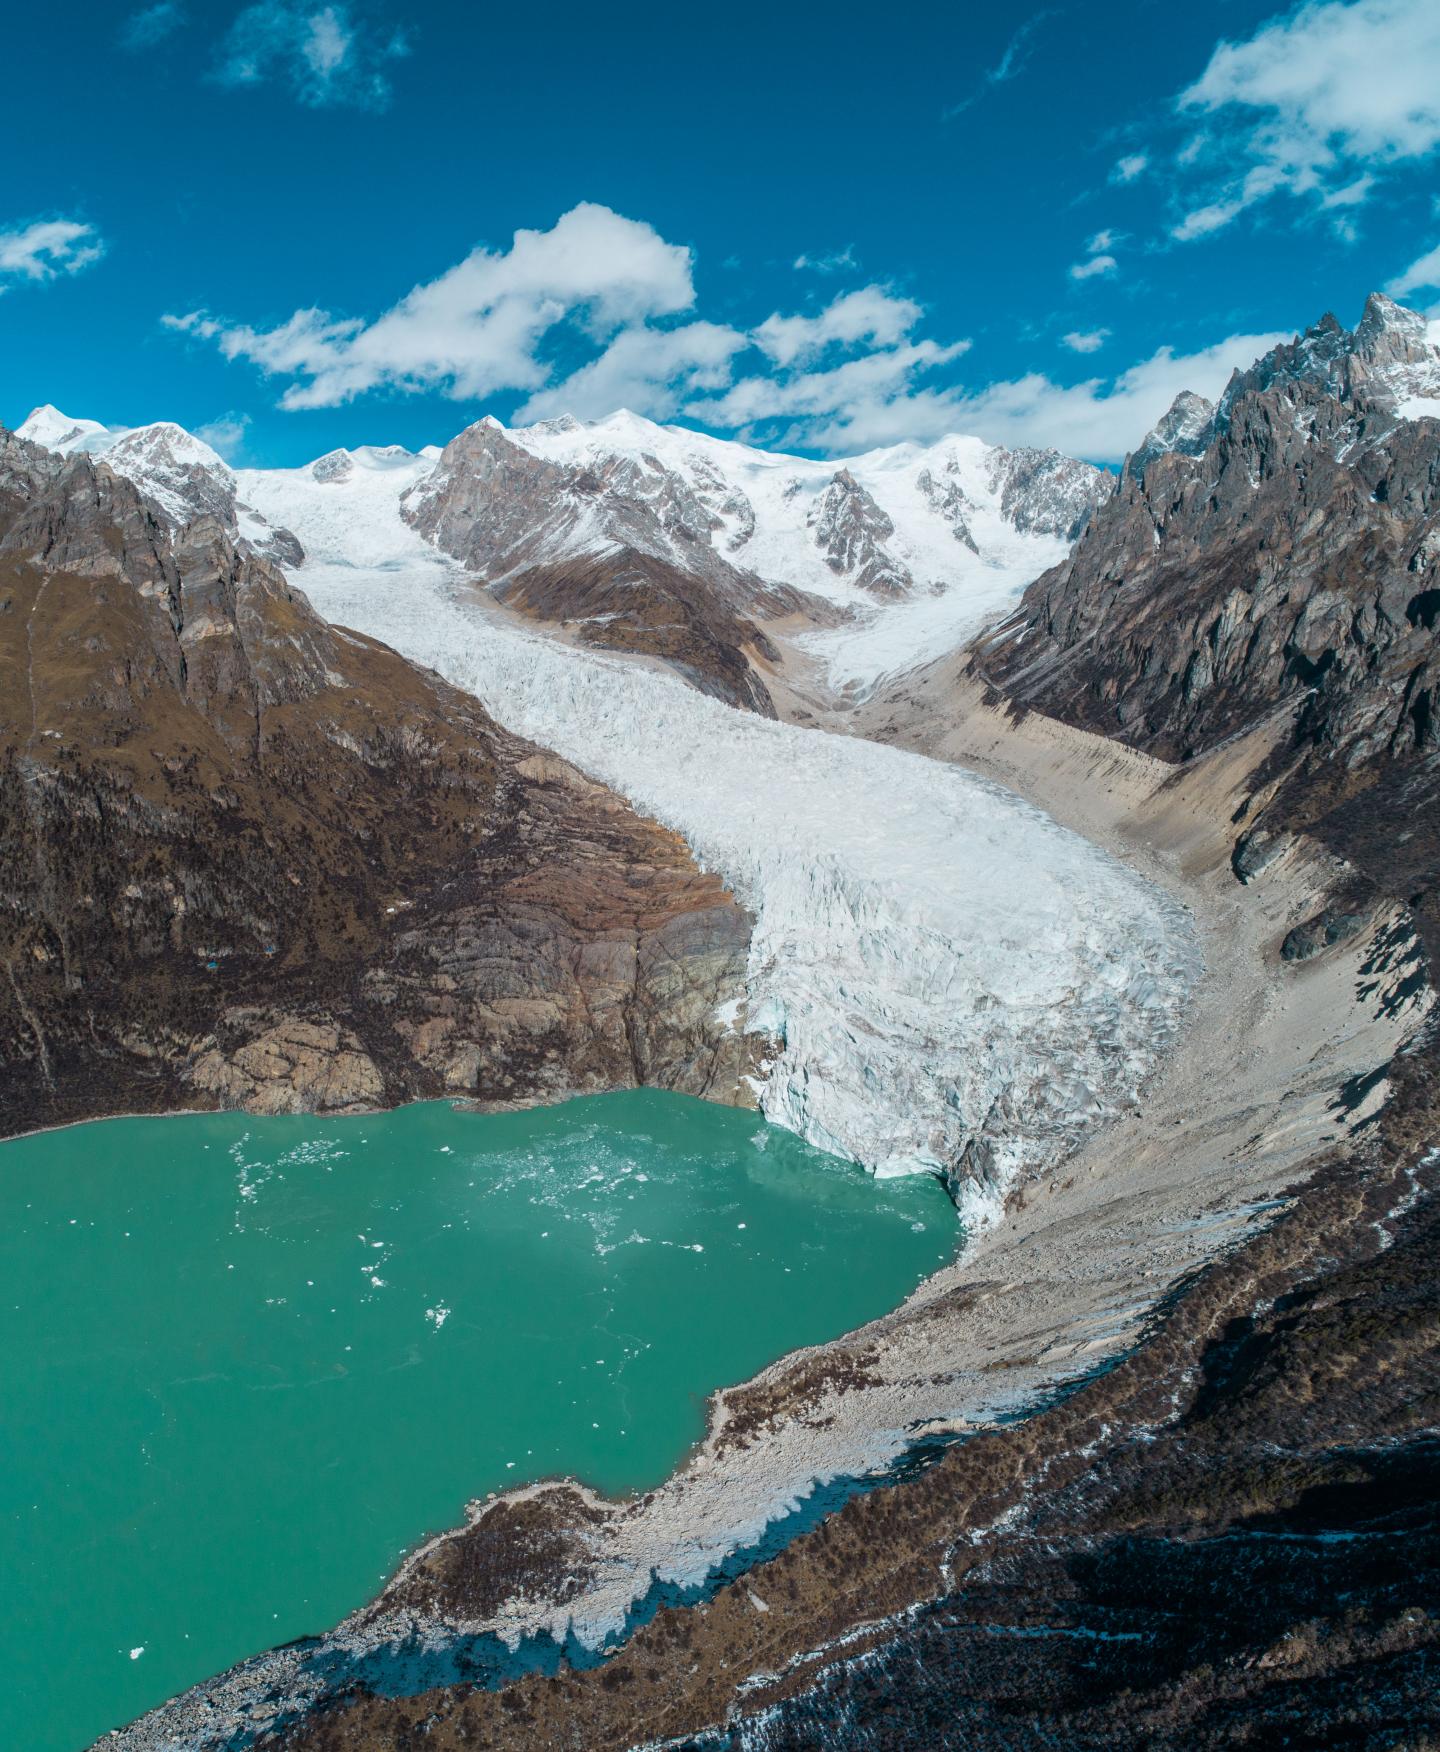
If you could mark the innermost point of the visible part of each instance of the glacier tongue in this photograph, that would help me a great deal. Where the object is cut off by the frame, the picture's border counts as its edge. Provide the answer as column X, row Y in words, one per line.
column 960, row 985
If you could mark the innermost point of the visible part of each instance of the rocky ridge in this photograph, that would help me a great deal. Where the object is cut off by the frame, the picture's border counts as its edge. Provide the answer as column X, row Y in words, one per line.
column 657, row 541
column 1282, row 555
column 250, row 859
column 181, row 475
column 668, row 543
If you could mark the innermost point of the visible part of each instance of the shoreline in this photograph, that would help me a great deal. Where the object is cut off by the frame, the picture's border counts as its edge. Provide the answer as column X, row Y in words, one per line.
column 1062, row 1286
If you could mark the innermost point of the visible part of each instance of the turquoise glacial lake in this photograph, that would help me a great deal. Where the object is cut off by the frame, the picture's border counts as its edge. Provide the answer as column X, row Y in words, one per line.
column 249, row 1363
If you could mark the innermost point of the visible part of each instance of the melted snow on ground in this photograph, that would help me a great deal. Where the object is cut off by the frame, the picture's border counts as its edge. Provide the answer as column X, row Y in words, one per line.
column 957, row 980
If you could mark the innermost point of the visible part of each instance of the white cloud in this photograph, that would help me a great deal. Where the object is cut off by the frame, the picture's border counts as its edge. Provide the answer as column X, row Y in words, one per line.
column 1310, row 98
column 1097, row 264
column 475, row 330
column 1134, row 164
column 1101, row 419
column 858, row 403
column 615, row 296
column 826, row 264
column 1423, row 274
column 869, row 314
column 47, row 248
column 323, row 53
column 151, row 25
column 1011, row 63
column 225, row 435
column 651, row 371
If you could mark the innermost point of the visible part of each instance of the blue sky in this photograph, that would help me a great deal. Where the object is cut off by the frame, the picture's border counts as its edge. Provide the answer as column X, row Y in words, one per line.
column 297, row 225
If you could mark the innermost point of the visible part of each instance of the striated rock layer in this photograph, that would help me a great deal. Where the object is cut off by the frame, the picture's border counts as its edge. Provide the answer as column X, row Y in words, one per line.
column 250, row 859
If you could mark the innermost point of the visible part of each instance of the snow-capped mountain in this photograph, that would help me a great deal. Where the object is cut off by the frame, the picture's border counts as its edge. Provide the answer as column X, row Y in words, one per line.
column 1385, row 370
column 660, row 541
column 672, row 543
column 889, row 522
column 182, row 476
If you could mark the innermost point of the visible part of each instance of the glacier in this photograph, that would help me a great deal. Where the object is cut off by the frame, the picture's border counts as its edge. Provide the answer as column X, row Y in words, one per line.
column 954, row 983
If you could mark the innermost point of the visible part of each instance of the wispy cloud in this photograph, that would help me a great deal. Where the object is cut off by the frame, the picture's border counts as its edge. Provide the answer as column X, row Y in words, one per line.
column 870, row 314
column 1313, row 105
column 1104, row 418
column 837, row 263
column 1423, row 275
column 1127, row 169
column 47, row 248
column 151, row 25
column 226, row 435
column 1012, row 63
column 600, row 284
column 325, row 55
column 476, row 329
column 1099, row 257
column 1085, row 340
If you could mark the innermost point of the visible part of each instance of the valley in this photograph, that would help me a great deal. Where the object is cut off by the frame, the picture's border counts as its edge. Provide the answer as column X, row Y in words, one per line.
column 1094, row 880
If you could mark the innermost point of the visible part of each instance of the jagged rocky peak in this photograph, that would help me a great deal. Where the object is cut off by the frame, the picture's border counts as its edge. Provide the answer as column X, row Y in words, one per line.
column 1044, row 492
column 851, row 530
column 1283, row 553
column 182, row 475
column 1389, row 362
column 1384, row 370
column 1187, row 426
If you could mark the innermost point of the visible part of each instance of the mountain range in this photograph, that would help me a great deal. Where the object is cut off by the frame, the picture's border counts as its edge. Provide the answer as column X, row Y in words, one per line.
column 252, row 859
column 660, row 541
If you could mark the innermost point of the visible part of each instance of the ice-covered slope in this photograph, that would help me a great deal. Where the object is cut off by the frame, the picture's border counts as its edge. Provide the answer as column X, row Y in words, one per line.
column 958, row 983
column 347, row 501
column 182, row 476
column 787, row 518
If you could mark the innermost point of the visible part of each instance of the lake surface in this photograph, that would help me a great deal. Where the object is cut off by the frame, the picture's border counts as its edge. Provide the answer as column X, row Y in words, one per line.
column 248, row 1363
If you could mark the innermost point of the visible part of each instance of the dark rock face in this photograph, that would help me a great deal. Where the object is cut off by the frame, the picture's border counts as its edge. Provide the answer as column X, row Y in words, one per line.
column 851, row 530
column 250, row 859
column 1043, row 492
column 1291, row 562
column 1295, row 555
column 629, row 601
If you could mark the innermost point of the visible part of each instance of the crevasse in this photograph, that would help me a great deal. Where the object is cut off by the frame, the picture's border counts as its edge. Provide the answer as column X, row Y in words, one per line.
column 961, row 986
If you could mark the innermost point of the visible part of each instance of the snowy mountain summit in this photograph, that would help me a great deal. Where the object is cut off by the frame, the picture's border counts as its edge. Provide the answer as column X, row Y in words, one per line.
column 672, row 543
column 181, row 475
